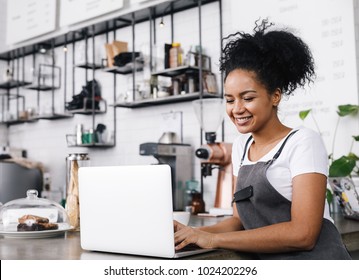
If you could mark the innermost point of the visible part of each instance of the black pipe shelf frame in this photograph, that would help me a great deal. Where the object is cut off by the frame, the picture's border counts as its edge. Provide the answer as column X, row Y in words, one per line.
column 6, row 98
column 84, row 34
column 172, row 72
column 147, row 14
column 41, row 86
column 16, row 56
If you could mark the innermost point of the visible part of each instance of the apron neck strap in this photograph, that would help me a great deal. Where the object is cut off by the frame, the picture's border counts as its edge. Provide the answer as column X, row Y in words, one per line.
column 245, row 149
column 277, row 154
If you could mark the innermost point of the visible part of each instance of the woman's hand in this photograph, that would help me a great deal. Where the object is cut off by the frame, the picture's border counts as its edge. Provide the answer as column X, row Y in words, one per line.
column 185, row 235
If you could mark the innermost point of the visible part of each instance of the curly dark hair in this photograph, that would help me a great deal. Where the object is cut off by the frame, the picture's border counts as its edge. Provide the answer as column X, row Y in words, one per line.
column 278, row 58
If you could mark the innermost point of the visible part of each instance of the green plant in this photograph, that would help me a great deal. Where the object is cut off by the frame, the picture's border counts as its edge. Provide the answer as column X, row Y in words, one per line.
column 346, row 165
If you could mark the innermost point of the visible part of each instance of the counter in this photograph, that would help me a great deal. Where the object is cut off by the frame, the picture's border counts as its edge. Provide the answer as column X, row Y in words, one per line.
column 67, row 247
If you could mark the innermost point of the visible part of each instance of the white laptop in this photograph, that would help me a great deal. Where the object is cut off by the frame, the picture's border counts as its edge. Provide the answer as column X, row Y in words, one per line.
column 128, row 210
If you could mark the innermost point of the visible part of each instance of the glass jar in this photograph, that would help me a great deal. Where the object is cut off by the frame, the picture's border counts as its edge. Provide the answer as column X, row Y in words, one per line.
column 73, row 163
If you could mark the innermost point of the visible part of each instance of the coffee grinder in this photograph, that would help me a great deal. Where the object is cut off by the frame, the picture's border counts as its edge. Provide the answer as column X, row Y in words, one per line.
column 179, row 158
column 210, row 113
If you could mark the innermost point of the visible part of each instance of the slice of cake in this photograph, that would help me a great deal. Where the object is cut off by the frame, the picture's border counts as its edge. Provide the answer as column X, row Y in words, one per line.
column 35, row 223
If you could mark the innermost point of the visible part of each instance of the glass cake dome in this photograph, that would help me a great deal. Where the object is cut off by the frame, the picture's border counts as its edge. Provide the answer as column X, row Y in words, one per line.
column 33, row 215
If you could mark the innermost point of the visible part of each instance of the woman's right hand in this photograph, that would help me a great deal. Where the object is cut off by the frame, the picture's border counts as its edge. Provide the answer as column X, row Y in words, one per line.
column 185, row 235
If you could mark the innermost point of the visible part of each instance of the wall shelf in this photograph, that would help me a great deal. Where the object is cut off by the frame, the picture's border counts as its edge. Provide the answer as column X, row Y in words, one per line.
column 55, row 116
column 165, row 100
column 13, row 84
column 94, row 145
column 172, row 72
column 41, row 87
column 124, row 70
column 90, row 66
column 87, row 112
column 46, row 72
column 14, row 122
column 90, row 111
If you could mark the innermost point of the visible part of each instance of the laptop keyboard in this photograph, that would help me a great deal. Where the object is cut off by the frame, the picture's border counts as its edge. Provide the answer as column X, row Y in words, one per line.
column 190, row 247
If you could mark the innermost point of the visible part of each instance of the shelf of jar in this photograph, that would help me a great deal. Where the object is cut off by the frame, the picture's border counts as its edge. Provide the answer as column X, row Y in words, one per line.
column 165, row 100
column 13, row 84
column 172, row 72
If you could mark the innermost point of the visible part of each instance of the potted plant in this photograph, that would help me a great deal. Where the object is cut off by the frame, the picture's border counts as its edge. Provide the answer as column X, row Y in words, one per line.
column 346, row 165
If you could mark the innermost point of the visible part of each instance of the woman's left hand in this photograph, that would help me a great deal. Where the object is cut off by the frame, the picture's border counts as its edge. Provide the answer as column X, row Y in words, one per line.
column 185, row 235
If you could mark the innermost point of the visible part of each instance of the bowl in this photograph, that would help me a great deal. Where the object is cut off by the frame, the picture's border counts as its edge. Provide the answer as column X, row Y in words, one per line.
column 182, row 217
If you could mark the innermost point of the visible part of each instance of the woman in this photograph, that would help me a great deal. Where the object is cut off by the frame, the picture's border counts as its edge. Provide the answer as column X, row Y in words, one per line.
column 280, row 209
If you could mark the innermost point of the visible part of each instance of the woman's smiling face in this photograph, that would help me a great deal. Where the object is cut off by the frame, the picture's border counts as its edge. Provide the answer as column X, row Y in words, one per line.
column 249, row 104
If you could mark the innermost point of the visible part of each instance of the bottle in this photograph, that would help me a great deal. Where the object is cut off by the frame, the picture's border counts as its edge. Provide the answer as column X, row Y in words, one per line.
column 176, row 55
column 197, row 203
column 79, row 134
column 175, row 86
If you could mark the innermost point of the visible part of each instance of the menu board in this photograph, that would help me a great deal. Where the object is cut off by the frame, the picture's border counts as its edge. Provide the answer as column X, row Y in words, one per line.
column 74, row 11
column 28, row 19
column 327, row 26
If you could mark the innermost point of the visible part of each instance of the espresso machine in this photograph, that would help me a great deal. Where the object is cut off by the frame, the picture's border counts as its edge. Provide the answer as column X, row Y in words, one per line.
column 210, row 113
column 179, row 158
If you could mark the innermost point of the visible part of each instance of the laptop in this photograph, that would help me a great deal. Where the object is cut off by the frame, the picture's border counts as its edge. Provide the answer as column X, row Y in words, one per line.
column 128, row 210
column 346, row 196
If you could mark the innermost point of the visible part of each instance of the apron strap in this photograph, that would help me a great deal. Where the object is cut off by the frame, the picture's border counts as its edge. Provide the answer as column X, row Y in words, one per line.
column 277, row 154
column 245, row 149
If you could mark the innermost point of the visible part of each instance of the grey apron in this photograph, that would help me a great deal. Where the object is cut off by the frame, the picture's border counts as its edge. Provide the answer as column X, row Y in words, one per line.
column 259, row 204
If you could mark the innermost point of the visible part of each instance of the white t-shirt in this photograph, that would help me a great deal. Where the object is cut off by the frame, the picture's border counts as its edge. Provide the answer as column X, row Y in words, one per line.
column 304, row 152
